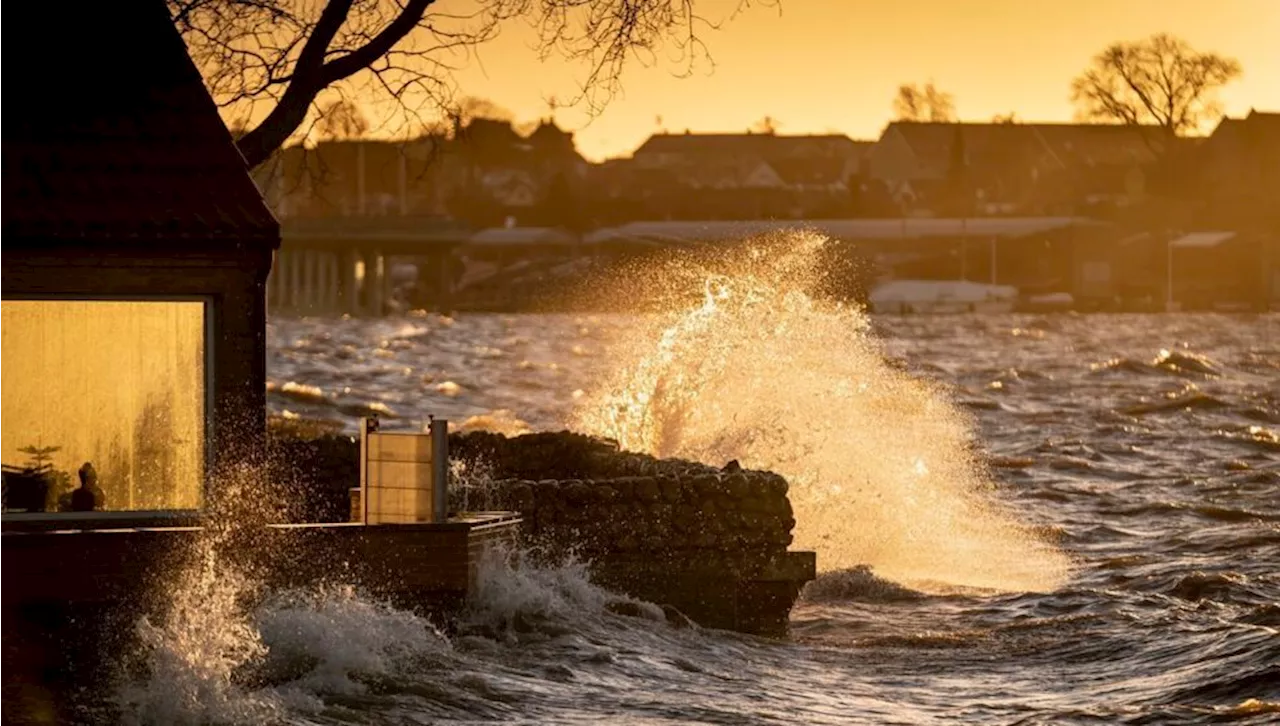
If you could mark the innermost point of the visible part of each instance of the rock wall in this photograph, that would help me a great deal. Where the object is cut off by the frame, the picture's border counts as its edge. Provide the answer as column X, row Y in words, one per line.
column 310, row 470
column 734, row 510
column 710, row 541
column 573, row 490
column 583, row 493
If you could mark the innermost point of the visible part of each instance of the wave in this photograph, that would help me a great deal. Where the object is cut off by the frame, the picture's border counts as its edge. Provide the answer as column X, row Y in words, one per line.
column 216, row 660
column 883, row 466
column 1166, row 362
column 1193, row 400
column 856, row 584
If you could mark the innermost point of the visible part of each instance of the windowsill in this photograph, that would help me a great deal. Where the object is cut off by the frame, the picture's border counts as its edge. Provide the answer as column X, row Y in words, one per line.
column 47, row 521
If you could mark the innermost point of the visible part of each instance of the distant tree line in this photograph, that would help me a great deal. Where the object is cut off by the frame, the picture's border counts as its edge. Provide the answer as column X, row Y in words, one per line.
column 1160, row 81
column 279, row 62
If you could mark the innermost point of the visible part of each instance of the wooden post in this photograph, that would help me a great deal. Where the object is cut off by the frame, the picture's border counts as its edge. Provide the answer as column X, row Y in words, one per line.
column 372, row 283
column 350, row 285
column 440, row 468
column 309, row 281
column 365, row 428
column 334, row 265
column 295, row 280
column 384, row 276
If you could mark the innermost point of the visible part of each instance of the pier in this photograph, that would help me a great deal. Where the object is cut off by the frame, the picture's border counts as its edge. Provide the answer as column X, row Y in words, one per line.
column 429, row 566
column 343, row 266
column 72, row 599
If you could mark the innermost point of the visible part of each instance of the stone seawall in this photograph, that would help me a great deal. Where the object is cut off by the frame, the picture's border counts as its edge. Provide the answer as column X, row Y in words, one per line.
column 737, row 510
column 710, row 542
column 585, row 492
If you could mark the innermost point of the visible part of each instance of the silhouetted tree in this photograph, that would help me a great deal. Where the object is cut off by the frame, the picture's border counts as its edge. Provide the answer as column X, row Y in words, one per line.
column 1005, row 118
column 41, row 457
column 41, row 468
column 281, row 55
column 342, row 119
column 1160, row 80
column 766, row 125
column 470, row 108
column 914, row 103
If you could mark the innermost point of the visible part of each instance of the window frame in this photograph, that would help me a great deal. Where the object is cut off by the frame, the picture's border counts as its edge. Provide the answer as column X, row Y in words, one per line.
column 115, row 519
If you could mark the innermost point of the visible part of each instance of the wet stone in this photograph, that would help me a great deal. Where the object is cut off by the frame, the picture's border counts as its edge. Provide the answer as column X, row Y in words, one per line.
column 672, row 489
column 647, row 490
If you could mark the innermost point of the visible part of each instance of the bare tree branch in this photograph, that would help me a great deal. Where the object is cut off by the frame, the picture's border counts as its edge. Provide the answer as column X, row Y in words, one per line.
column 929, row 103
column 1161, row 80
column 278, row 60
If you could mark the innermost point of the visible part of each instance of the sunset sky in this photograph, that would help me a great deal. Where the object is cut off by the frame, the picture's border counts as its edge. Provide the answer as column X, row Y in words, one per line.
column 834, row 65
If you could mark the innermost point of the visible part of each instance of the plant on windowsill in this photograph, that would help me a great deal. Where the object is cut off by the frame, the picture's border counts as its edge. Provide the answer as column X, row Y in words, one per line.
column 35, row 486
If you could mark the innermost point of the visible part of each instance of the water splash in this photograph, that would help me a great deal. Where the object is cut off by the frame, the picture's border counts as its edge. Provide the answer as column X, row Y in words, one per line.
column 510, row 585
column 220, row 646
column 763, row 370
column 202, row 633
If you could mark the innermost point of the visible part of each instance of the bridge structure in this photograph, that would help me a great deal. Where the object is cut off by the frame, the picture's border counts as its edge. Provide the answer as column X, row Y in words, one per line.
column 342, row 265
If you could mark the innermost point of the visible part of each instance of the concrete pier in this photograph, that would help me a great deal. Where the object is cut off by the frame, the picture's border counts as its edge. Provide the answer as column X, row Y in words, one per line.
column 342, row 266
column 329, row 282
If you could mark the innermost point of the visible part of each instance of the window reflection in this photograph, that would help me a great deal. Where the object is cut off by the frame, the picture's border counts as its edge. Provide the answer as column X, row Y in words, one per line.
column 103, row 405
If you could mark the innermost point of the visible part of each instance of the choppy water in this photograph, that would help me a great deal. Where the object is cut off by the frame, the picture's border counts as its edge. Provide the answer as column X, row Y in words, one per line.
column 1133, row 461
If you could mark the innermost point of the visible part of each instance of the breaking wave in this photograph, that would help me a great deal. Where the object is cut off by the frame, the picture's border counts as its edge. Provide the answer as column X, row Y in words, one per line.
column 883, row 466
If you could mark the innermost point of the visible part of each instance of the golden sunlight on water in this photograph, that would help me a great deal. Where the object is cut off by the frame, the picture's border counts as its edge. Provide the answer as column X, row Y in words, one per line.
column 882, row 466
column 121, row 385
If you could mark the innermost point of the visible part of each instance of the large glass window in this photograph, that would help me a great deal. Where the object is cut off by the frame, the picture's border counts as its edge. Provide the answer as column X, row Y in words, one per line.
column 104, row 405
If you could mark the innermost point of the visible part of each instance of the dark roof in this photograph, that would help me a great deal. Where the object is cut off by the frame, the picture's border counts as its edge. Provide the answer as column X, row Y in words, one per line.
column 487, row 131
column 548, row 137
column 125, row 146
column 768, row 144
column 1258, row 128
column 1240, row 144
column 818, row 159
column 1042, row 145
column 548, row 128
column 1270, row 118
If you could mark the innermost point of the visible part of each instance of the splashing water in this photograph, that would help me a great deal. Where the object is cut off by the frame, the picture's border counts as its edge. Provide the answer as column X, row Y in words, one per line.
column 299, row 652
column 204, row 634
column 515, row 585
column 882, row 467
column 192, row 656
column 223, row 647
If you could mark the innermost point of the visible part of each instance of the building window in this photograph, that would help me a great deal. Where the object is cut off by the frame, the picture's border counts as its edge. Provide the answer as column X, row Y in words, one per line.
column 104, row 405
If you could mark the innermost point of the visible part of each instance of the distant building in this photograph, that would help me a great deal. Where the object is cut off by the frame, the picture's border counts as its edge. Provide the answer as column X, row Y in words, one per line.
column 1031, row 253
column 732, row 176
column 483, row 173
column 1014, row 168
column 354, row 178
column 1240, row 173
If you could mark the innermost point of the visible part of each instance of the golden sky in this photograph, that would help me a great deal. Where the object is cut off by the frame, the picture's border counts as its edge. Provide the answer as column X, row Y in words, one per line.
column 834, row 65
